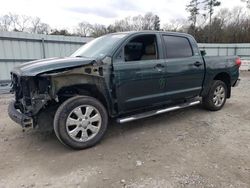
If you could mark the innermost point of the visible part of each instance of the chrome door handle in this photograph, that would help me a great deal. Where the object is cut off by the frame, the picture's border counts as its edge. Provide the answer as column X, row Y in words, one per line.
column 197, row 64
column 159, row 67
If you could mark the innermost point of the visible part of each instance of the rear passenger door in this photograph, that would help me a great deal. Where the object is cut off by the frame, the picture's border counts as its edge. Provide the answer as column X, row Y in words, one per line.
column 184, row 67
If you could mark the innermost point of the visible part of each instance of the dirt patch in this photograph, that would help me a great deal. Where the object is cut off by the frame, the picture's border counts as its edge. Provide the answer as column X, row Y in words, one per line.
column 187, row 148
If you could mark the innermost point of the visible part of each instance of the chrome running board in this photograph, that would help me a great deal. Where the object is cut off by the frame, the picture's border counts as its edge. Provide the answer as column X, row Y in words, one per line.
column 156, row 112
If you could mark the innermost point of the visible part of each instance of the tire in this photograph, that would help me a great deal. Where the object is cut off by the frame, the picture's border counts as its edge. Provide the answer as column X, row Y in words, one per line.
column 80, row 122
column 215, row 94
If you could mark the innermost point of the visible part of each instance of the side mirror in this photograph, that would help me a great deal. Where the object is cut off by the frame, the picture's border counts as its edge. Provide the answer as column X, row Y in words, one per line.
column 203, row 52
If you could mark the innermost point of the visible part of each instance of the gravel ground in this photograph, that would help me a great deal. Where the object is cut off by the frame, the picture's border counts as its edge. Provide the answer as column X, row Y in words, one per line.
column 186, row 148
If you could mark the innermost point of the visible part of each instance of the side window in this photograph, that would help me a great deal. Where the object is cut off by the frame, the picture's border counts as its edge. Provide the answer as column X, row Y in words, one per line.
column 143, row 47
column 177, row 47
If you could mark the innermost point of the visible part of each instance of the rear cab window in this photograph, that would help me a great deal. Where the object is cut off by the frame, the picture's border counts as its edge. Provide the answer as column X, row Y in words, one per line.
column 177, row 47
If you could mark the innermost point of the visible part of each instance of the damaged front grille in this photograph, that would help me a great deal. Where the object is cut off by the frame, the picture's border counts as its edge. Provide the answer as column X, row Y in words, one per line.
column 16, row 87
column 31, row 93
column 20, row 87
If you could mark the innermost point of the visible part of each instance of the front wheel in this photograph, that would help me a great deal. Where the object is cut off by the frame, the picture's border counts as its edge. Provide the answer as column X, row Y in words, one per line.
column 80, row 122
column 216, row 97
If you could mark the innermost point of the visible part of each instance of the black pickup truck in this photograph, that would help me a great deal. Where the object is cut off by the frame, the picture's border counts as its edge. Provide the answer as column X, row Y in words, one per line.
column 125, row 76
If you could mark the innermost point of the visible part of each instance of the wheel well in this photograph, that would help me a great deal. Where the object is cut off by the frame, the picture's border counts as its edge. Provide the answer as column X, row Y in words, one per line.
column 224, row 77
column 86, row 89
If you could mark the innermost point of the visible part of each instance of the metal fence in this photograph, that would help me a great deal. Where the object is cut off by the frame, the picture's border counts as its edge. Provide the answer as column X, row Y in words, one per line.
column 17, row 47
column 242, row 49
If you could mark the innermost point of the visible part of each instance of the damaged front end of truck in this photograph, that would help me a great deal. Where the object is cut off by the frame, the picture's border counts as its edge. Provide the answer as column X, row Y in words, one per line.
column 41, row 86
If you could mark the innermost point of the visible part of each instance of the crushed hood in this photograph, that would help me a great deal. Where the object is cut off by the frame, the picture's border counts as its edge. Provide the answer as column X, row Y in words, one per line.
column 34, row 68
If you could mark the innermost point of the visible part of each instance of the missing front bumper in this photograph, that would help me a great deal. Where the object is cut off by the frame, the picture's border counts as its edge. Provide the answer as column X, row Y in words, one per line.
column 22, row 119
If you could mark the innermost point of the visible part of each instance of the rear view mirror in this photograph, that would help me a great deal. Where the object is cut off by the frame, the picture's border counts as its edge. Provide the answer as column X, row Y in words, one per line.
column 203, row 52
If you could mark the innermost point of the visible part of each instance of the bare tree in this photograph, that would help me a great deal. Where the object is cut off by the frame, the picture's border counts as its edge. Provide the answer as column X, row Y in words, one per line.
column 35, row 22
column 151, row 21
column 19, row 22
column 5, row 23
column 138, row 23
column 84, row 29
column 37, row 26
column 225, row 15
column 23, row 22
column 122, row 25
column 247, row 3
column 176, row 25
column 14, row 20
column 43, row 28
column 148, row 21
column 98, row 30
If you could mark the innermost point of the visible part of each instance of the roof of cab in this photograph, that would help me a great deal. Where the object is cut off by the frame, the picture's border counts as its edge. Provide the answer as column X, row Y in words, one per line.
column 153, row 32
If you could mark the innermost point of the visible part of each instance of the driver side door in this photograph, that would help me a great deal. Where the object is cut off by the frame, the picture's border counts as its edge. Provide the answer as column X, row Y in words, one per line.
column 139, row 80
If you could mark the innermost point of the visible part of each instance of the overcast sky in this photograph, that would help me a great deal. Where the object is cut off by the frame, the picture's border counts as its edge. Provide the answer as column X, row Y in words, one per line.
column 67, row 13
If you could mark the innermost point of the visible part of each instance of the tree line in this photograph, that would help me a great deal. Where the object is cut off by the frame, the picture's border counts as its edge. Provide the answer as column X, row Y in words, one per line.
column 226, row 26
column 23, row 23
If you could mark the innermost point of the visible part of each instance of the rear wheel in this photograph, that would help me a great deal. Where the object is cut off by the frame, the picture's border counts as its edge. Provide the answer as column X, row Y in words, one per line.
column 216, row 97
column 80, row 122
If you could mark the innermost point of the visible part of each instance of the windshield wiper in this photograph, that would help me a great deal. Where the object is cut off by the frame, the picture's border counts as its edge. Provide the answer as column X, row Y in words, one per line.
column 80, row 56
